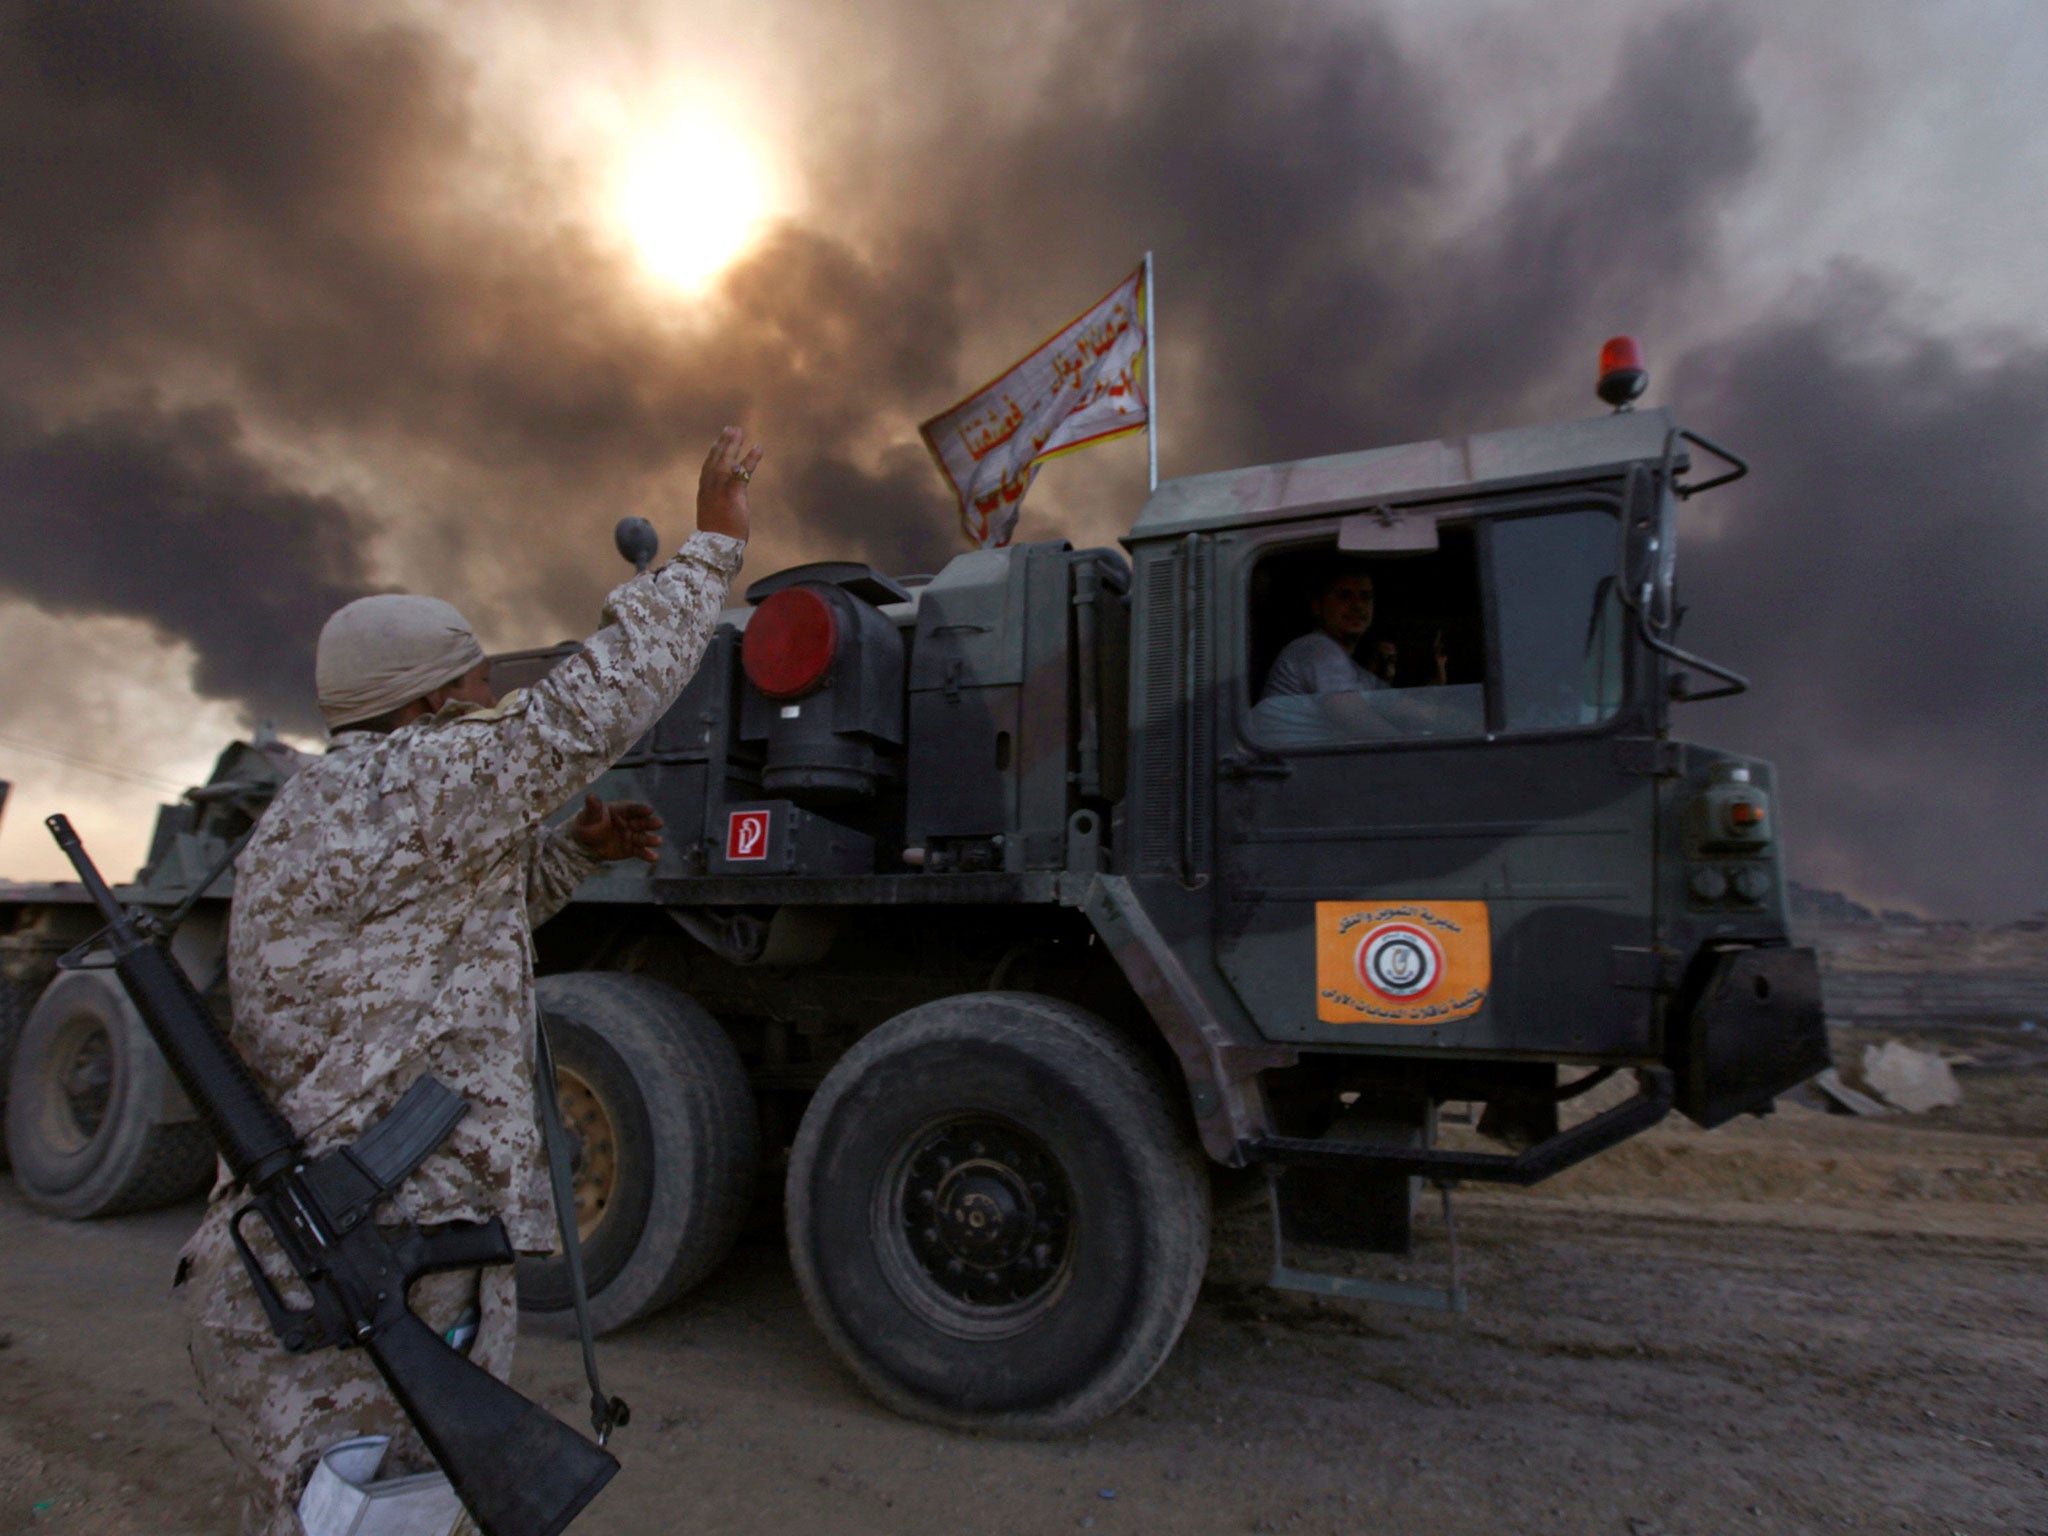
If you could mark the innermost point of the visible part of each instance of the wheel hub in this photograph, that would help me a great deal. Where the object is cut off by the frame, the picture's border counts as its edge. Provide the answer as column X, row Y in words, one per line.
column 984, row 1214
column 594, row 1153
column 87, row 1081
column 986, row 1210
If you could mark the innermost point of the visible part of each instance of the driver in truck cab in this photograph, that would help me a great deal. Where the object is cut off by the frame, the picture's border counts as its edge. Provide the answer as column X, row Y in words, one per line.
column 1327, row 659
column 381, row 931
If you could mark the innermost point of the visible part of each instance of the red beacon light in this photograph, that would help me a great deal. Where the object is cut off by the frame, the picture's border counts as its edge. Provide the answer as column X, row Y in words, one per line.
column 790, row 643
column 1622, row 374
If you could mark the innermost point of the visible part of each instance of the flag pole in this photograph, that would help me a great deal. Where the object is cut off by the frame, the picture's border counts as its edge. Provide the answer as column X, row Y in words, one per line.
column 1151, row 380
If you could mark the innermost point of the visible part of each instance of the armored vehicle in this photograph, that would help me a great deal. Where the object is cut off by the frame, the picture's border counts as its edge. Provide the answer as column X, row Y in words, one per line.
column 1016, row 910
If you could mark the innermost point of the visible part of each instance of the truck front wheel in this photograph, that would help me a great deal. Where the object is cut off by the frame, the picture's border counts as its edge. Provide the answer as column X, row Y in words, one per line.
column 995, row 1217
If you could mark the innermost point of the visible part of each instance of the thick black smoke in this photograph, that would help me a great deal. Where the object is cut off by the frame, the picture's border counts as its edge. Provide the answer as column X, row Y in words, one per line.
column 1287, row 163
column 261, row 212
column 267, row 202
column 1880, row 579
column 163, row 515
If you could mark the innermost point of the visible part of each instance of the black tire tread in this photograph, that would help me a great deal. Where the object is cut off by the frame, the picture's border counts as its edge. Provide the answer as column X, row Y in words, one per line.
column 1181, row 1178
column 177, row 1163
column 158, row 1162
column 708, row 1102
column 16, row 998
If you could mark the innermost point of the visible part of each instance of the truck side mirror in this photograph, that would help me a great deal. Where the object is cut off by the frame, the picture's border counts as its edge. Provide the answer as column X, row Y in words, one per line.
column 1649, row 547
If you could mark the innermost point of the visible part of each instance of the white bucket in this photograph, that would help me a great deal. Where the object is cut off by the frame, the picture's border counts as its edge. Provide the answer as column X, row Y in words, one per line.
column 344, row 1497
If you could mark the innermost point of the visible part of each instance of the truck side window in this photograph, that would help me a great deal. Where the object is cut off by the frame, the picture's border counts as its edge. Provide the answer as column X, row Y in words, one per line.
column 1560, row 620
column 1557, row 644
column 1418, row 668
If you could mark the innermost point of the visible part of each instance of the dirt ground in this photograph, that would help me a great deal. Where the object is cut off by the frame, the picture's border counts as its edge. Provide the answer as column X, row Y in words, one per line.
column 1805, row 1323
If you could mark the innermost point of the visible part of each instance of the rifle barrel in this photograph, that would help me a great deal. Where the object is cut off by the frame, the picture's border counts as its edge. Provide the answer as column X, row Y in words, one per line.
column 118, row 922
column 257, row 1141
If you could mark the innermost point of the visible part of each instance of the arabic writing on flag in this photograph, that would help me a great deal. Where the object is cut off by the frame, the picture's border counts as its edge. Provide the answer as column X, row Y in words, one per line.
column 1085, row 385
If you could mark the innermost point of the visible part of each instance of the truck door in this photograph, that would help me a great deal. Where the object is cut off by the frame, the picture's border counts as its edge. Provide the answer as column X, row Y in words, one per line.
column 1463, row 857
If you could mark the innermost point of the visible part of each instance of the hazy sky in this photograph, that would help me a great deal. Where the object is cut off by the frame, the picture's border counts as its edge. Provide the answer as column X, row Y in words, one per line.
column 299, row 301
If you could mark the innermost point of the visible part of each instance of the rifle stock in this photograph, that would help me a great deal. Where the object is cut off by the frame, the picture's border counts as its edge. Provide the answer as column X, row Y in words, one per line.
column 518, row 1469
column 515, row 1466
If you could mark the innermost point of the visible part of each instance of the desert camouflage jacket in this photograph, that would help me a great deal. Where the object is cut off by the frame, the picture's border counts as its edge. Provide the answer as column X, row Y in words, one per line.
column 383, row 912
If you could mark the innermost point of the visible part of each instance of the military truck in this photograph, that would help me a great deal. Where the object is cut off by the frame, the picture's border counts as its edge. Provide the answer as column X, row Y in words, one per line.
column 1007, row 916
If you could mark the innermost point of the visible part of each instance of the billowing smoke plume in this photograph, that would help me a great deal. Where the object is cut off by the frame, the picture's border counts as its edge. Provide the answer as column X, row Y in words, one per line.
column 163, row 515
column 364, row 315
column 266, row 202
column 1288, row 164
column 1880, row 579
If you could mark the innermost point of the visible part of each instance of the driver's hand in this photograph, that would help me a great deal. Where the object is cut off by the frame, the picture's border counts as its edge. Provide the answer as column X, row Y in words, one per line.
column 722, row 484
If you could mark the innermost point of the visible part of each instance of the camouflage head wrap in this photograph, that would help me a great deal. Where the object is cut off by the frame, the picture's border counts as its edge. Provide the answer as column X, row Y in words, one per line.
column 379, row 653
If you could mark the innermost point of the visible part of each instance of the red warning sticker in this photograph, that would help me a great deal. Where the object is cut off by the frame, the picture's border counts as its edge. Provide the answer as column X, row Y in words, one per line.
column 746, row 835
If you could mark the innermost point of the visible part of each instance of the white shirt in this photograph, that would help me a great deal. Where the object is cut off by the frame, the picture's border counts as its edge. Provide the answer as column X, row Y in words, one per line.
column 1317, row 663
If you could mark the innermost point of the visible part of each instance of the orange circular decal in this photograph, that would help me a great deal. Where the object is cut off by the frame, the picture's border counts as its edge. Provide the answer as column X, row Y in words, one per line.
column 1401, row 962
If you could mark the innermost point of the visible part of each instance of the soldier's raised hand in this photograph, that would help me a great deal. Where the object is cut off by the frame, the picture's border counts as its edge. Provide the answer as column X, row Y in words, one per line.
column 722, row 484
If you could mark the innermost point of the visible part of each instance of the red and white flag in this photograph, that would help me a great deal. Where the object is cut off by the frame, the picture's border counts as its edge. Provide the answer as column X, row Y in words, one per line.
column 1085, row 385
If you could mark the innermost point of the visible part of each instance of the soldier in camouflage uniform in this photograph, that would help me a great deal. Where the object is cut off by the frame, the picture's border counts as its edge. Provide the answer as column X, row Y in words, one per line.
column 382, row 930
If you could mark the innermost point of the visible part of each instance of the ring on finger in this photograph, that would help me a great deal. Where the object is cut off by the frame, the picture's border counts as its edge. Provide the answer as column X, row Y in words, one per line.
column 740, row 472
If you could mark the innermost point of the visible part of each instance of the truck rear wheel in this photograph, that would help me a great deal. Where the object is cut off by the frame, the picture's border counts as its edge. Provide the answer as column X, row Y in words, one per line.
column 85, row 1105
column 995, row 1217
column 660, row 1113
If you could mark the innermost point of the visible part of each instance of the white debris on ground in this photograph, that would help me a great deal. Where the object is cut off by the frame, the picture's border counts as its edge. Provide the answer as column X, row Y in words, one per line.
column 1915, row 1081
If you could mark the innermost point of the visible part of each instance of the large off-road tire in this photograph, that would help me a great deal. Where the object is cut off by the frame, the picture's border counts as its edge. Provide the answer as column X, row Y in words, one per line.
column 658, row 1105
column 995, row 1216
column 85, row 1107
column 16, row 998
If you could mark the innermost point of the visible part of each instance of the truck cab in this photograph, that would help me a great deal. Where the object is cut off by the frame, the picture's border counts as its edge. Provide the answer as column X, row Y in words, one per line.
column 1501, row 858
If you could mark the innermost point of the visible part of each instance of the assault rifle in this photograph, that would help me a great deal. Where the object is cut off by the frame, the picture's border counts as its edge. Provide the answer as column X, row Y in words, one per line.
column 518, row 1469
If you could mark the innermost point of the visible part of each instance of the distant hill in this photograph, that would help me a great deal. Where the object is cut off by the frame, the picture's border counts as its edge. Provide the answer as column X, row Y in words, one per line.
column 1811, row 904
column 1894, row 970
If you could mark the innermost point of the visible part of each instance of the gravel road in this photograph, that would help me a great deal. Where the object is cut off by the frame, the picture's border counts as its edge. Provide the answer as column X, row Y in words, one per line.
column 1803, row 1324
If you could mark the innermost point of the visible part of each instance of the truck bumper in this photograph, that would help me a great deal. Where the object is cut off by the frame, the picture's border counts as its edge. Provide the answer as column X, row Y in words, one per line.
column 1755, row 1029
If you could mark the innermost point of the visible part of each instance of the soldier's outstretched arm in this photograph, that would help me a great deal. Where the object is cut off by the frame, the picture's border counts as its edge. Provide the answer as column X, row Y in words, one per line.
column 556, row 867
column 580, row 718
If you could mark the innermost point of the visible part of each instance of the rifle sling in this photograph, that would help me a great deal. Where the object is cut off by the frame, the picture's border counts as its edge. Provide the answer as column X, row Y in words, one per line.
column 606, row 1413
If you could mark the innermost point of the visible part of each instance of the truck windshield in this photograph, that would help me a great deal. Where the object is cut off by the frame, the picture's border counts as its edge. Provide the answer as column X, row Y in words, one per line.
column 1352, row 650
column 1560, row 620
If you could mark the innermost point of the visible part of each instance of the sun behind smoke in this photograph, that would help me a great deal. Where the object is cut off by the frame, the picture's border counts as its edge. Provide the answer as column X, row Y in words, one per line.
column 694, row 196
